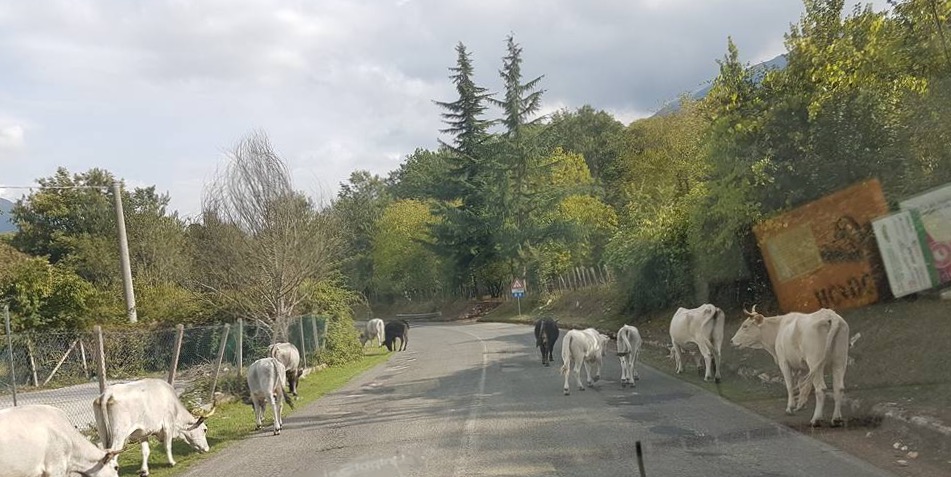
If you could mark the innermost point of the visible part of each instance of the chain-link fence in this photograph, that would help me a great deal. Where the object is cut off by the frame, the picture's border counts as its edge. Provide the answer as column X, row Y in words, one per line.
column 63, row 369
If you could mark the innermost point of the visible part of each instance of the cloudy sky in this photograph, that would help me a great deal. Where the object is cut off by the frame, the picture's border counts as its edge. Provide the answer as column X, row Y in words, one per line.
column 157, row 90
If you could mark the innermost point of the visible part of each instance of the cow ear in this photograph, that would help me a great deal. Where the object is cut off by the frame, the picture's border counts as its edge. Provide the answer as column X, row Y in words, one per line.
column 758, row 319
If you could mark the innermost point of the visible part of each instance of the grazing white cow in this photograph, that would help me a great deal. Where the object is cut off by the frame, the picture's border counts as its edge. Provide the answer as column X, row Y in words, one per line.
column 288, row 355
column 374, row 329
column 628, row 347
column 38, row 441
column 582, row 347
column 266, row 384
column 704, row 327
column 147, row 407
column 802, row 342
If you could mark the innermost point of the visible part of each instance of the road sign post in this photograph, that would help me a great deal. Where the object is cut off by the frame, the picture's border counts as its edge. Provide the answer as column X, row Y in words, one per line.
column 518, row 291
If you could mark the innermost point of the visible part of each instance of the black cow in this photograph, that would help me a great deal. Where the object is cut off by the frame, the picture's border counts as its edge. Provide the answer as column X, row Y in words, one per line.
column 546, row 333
column 396, row 329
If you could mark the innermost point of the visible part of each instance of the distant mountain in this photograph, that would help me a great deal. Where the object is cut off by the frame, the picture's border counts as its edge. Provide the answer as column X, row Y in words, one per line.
column 759, row 70
column 6, row 219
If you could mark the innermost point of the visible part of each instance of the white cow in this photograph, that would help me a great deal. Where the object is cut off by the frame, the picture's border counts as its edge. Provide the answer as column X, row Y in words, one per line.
column 704, row 327
column 628, row 347
column 38, row 441
column 802, row 342
column 289, row 356
column 266, row 384
column 582, row 347
column 147, row 407
column 374, row 329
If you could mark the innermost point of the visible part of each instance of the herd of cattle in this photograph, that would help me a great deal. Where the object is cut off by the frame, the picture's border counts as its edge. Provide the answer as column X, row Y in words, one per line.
column 38, row 440
column 802, row 344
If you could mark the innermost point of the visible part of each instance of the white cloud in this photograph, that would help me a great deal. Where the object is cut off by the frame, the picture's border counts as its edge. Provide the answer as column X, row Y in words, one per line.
column 11, row 138
column 155, row 91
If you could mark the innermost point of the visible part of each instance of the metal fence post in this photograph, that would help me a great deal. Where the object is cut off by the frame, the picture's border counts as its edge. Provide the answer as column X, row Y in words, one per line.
column 323, row 342
column 102, row 360
column 13, row 374
column 221, row 355
column 313, row 325
column 179, row 334
column 240, row 345
column 303, row 341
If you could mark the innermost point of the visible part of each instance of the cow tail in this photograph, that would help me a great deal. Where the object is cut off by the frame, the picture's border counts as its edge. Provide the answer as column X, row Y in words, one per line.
column 282, row 377
column 566, row 354
column 834, row 325
column 101, row 410
column 623, row 344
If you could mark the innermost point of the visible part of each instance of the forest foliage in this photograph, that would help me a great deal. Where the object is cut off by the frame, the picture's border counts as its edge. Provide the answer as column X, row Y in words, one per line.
column 666, row 202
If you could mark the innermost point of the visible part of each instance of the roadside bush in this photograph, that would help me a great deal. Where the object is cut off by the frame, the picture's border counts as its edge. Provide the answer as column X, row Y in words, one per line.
column 343, row 342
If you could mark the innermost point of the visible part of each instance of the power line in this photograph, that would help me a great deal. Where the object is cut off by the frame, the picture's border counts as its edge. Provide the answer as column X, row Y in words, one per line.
column 31, row 187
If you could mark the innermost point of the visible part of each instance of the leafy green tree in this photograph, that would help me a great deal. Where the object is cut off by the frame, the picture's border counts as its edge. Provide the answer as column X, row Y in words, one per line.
column 44, row 297
column 359, row 205
column 423, row 175
column 402, row 259
column 596, row 135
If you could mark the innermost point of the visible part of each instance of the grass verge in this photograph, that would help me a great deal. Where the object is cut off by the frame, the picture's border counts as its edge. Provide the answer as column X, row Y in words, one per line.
column 232, row 421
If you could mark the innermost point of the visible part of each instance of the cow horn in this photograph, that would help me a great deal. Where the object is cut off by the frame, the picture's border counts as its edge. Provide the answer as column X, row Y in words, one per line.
column 197, row 423
column 754, row 308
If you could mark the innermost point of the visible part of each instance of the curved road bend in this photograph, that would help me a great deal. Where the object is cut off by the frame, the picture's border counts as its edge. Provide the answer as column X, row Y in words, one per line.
column 474, row 400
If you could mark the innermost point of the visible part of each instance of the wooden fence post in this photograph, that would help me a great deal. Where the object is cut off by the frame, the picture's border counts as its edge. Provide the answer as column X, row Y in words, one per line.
column 102, row 360
column 82, row 354
column 176, row 352
column 221, row 355
column 60, row 362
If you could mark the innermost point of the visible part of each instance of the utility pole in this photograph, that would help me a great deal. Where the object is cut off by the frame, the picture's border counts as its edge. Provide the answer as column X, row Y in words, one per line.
column 124, row 255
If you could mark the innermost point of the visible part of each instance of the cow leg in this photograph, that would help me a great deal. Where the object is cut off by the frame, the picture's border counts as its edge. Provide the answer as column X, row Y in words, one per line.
column 577, row 371
column 258, row 406
column 819, row 384
column 707, row 360
column 146, row 452
column 838, row 391
column 634, row 366
column 623, row 370
column 788, row 379
column 717, row 363
column 678, row 358
column 275, row 403
column 567, row 369
column 167, row 440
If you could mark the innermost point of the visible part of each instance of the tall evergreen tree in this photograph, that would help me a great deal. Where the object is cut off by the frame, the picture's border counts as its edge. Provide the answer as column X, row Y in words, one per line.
column 522, row 159
column 465, row 233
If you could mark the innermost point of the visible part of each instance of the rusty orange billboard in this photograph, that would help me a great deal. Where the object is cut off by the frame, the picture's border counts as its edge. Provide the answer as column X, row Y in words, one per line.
column 823, row 254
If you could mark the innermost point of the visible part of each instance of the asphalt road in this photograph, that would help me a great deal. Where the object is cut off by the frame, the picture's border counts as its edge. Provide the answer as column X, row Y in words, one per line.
column 474, row 400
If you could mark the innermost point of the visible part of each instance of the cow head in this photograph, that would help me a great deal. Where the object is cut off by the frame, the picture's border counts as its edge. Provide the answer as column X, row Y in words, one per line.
column 196, row 432
column 749, row 335
column 364, row 338
column 603, row 341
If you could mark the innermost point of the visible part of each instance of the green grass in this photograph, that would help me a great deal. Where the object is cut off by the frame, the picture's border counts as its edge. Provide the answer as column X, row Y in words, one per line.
column 232, row 421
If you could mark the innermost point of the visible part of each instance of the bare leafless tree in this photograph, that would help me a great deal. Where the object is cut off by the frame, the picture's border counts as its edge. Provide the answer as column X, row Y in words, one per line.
column 267, row 240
